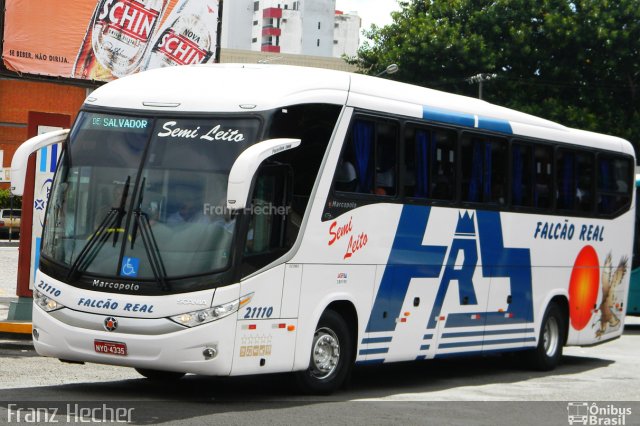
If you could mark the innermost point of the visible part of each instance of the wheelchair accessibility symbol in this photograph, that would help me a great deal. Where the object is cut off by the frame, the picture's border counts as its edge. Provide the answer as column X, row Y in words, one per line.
column 130, row 266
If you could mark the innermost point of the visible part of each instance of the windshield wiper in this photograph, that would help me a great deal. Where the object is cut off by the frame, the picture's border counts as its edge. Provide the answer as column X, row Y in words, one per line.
column 99, row 236
column 149, row 241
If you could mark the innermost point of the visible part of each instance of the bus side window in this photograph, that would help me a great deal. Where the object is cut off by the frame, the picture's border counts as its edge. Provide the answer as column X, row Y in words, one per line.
column 270, row 217
column 483, row 169
column 521, row 175
column 565, row 178
column 585, row 172
column 613, row 190
column 430, row 163
column 368, row 164
column 542, row 189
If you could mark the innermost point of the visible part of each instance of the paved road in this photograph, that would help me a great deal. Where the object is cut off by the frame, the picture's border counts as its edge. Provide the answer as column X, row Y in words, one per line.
column 476, row 391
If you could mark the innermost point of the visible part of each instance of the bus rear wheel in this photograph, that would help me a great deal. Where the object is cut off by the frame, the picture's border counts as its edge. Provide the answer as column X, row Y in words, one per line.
column 547, row 354
column 159, row 375
column 331, row 356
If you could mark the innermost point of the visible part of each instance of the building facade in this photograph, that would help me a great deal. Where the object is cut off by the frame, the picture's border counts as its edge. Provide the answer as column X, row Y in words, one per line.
column 303, row 27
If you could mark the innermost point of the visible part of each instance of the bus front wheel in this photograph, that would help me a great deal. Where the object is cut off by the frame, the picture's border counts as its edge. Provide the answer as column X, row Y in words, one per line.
column 547, row 354
column 331, row 356
column 159, row 375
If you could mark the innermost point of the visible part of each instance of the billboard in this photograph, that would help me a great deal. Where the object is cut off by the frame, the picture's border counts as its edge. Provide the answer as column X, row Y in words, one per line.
column 106, row 39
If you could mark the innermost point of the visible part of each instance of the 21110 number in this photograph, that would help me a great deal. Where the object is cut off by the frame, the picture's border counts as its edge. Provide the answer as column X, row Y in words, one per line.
column 261, row 312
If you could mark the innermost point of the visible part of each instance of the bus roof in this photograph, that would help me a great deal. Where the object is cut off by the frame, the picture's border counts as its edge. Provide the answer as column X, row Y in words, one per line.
column 260, row 87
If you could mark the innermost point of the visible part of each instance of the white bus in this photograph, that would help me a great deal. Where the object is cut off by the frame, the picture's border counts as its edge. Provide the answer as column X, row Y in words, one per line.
column 243, row 219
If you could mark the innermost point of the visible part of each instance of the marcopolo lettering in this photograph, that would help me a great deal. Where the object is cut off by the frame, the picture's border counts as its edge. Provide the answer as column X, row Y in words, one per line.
column 116, row 286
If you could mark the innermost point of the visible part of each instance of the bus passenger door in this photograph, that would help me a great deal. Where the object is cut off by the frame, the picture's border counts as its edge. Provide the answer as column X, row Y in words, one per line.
column 266, row 333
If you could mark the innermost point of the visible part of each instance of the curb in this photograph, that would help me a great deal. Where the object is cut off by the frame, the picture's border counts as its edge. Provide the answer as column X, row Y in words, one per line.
column 15, row 328
column 15, row 336
column 9, row 244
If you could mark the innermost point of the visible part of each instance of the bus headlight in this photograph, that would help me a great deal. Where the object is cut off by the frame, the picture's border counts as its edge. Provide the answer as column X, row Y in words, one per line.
column 46, row 303
column 203, row 316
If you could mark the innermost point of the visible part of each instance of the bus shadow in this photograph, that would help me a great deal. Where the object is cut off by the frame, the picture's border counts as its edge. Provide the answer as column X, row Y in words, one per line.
column 195, row 396
column 632, row 329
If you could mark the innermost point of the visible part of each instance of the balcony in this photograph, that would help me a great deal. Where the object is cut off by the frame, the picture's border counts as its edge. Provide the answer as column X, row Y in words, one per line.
column 271, row 31
column 270, row 48
column 272, row 12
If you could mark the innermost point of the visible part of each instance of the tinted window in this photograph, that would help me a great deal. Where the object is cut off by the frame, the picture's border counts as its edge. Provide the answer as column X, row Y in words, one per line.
column 614, row 177
column 483, row 169
column 430, row 163
column 368, row 162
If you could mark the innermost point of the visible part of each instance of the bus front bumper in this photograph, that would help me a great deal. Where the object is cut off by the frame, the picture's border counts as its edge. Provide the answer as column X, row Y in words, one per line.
column 206, row 349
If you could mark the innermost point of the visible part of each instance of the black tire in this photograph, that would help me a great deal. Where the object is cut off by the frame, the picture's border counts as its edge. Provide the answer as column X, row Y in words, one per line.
column 546, row 356
column 331, row 356
column 159, row 375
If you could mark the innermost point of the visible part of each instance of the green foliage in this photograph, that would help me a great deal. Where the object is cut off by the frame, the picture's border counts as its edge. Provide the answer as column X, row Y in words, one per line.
column 5, row 200
column 574, row 62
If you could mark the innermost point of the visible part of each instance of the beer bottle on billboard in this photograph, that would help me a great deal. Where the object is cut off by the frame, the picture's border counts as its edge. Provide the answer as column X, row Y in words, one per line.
column 117, row 38
column 188, row 36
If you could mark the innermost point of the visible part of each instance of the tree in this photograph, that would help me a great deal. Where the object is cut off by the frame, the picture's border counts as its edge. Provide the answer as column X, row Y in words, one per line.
column 574, row 62
column 5, row 200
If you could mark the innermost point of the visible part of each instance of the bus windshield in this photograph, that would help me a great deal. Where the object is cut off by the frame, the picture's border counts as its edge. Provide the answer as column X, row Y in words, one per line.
column 143, row 198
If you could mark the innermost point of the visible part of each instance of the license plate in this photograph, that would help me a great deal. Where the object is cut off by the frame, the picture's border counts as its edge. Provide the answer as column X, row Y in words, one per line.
column 111, row 348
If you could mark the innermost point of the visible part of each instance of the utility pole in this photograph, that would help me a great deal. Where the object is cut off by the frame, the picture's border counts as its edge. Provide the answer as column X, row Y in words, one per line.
column 480, row 78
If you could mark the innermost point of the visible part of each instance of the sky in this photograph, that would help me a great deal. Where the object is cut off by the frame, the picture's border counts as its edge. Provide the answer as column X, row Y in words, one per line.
column 371, row 11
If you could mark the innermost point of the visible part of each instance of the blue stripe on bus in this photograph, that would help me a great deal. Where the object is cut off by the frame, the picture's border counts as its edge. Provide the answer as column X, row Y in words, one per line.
column 36, row 254
column 373, row 351
column 495, row 125
column 448, row 116
column 376, row 340
column 486, row 333
column 465, row 119
column 54, row 158
column 427, row 337
column 43, row 159
column 424, row 347
column 484, row 342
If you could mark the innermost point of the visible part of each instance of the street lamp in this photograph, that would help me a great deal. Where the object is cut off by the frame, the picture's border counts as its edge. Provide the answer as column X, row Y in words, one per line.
column 480, row 78
column 391, row 69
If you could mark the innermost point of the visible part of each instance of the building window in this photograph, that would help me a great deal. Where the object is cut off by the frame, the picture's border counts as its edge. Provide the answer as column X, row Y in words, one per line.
column 318, row 24
column 254, row 40
column 256, row 6
column 335, row 41
column 255, row 23
column 318, row 42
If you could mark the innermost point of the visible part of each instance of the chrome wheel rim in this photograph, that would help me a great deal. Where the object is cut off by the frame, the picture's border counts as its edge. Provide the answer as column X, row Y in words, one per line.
column 551, row 337
column 325, row 353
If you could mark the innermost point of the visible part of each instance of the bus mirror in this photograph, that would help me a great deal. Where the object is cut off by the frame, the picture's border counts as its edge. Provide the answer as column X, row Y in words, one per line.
column 245, row 167
column 21, row 156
